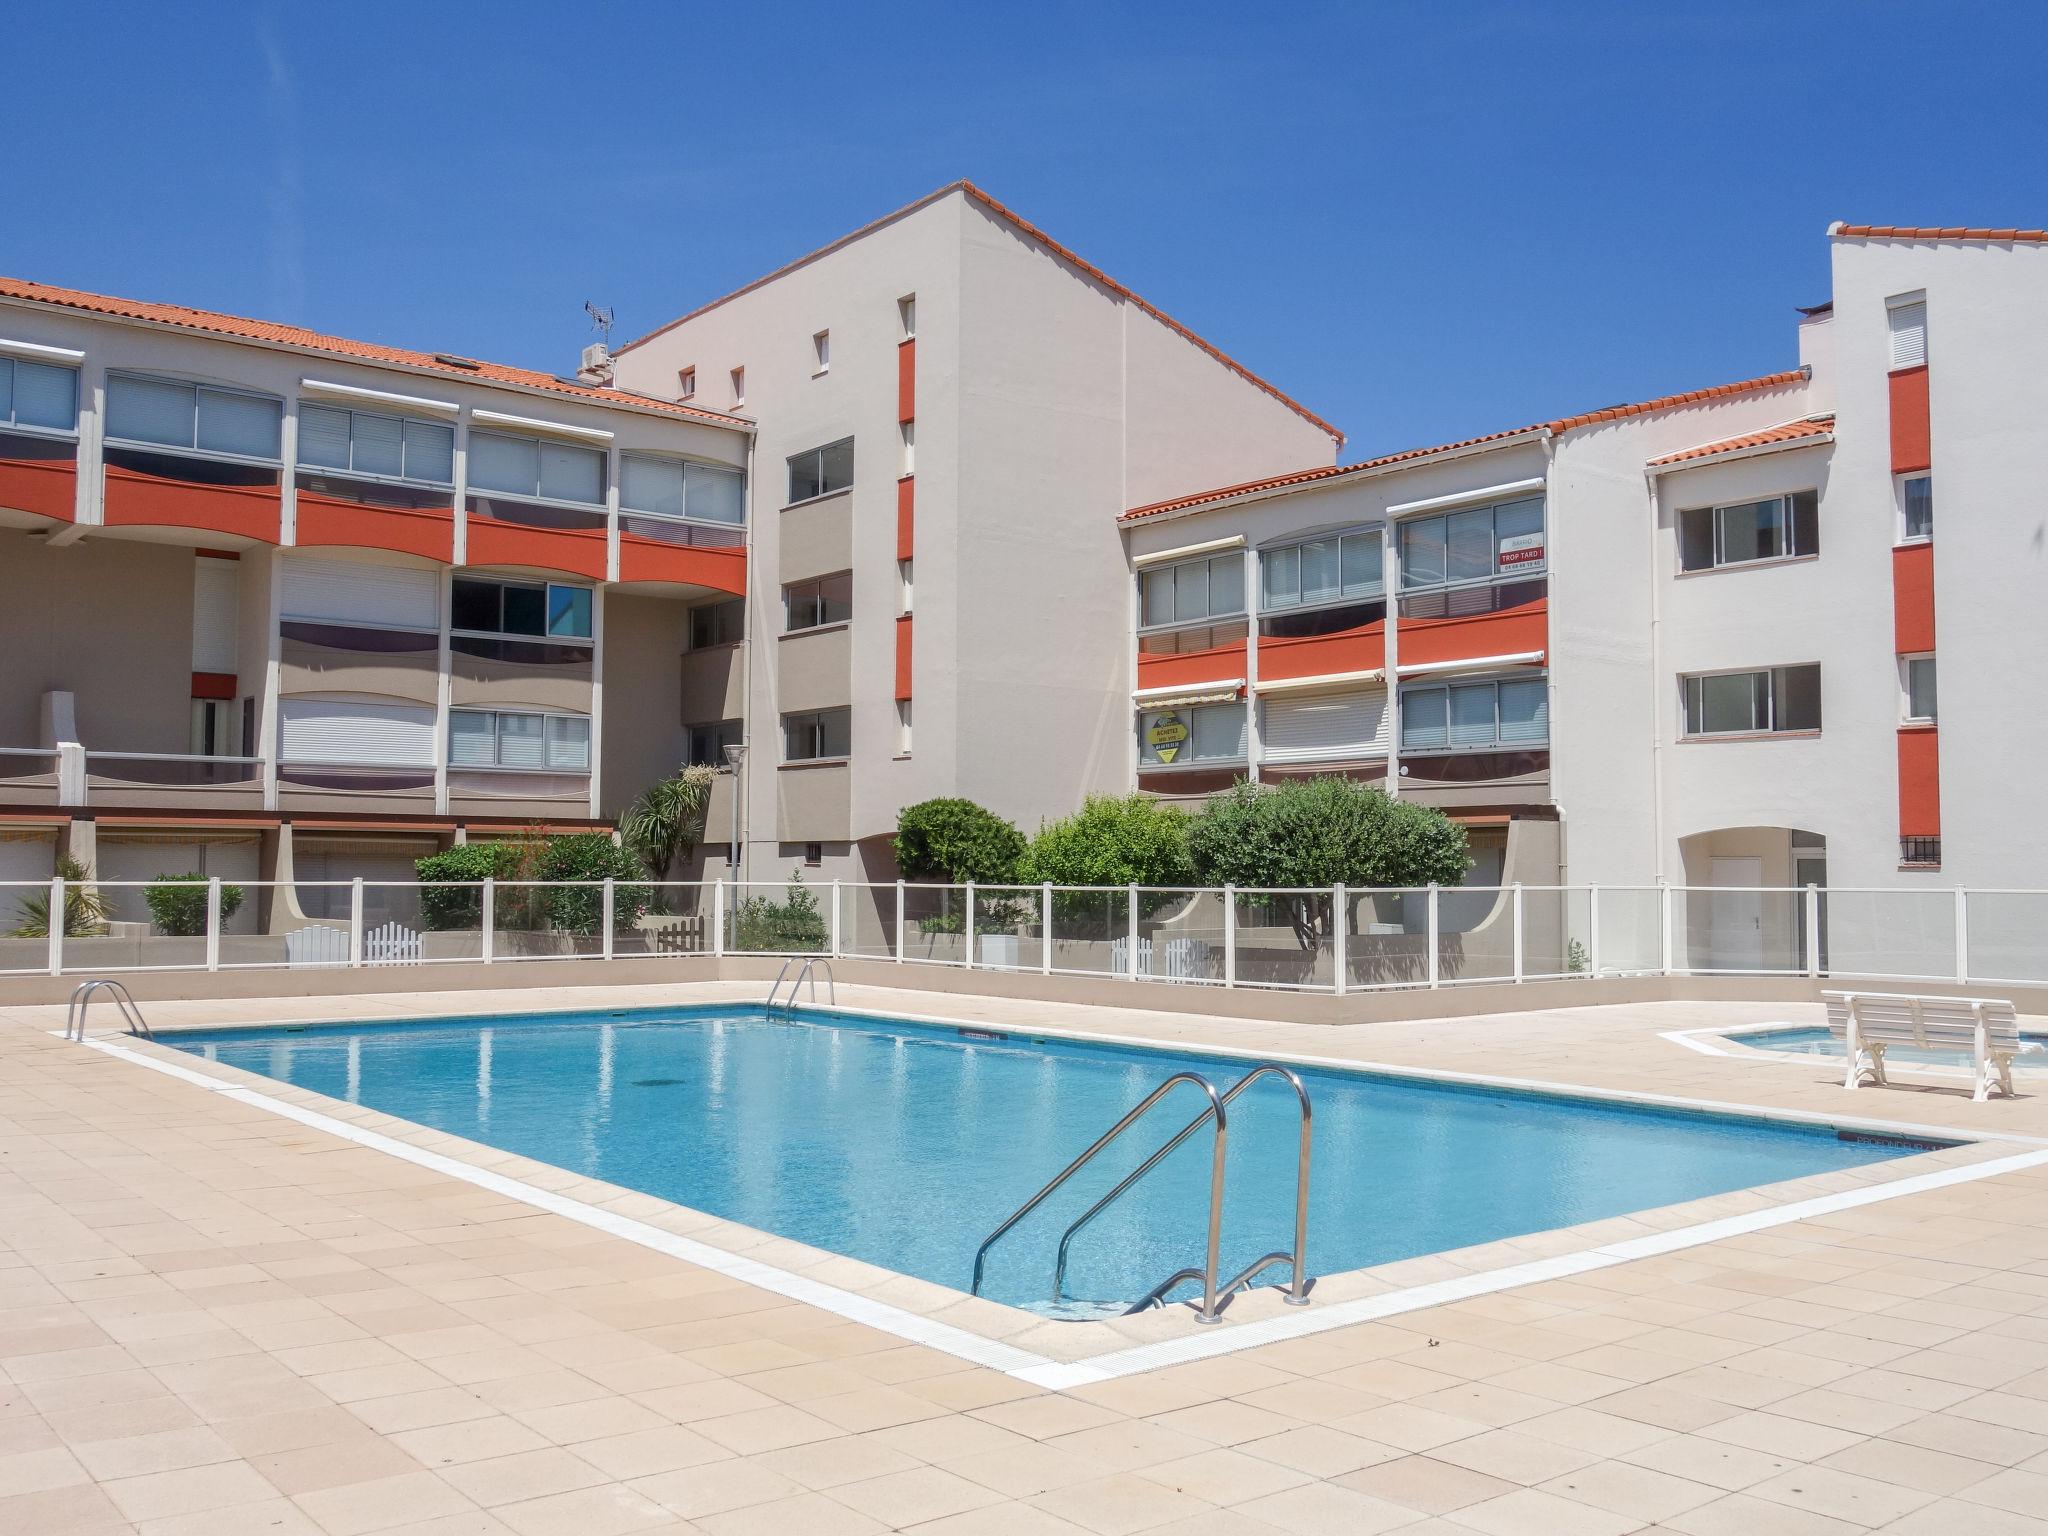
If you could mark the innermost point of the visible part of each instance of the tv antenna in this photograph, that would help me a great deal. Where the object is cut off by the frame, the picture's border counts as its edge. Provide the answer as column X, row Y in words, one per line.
column 600, row 320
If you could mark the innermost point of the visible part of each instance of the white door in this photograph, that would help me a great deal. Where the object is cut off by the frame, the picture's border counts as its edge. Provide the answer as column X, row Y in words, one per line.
column 1735, row 940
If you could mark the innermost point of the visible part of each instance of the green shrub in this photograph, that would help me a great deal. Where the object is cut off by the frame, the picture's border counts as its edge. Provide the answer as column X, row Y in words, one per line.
column 759, row 923
column 85, row 906
column 956, row 841
column 1112, row 840
column 591, row 856
column 461, row 906
column 177, row 904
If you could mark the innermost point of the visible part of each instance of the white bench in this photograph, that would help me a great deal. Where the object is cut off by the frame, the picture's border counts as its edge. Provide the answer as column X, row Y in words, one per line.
column 1986, row 1028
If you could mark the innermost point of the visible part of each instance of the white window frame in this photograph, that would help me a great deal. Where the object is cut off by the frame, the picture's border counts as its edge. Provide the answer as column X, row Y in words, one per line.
column 906, row 316
column 626, row 508
column 534, row 496
column 498, row 712
column 546, row 589
column 1906, row 664
column 1899, row 483
column 1189, row 711
column 782, row 726
column 908, row 430
column 905, row 587
column 819, row 452
column 821, row 353
column 1790, row 524
column 1212, row 617
column 1892, row 304
column 690, row 731
column 738, row 378
column 10, row 423
column 1293, row 544
column 193, row 450
column 1498, row 576
column 686, row 383
column 1754, row 733
column 823, row 623
column 903, row 727
column 352, row 473
column 1448, row 686
column 690, row 625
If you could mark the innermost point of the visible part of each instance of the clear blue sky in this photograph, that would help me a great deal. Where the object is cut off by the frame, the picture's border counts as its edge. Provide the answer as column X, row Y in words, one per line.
column 1423, row 221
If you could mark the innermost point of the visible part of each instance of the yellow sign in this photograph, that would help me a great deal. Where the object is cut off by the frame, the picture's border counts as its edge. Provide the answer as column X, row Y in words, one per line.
column 1165, row 736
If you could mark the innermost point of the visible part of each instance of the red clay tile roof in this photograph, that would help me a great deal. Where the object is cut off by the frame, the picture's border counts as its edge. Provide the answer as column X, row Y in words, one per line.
column 1545, row 428
column 215, row 324
column 1030, row 230
column 1786, row 432
column 1928, row 232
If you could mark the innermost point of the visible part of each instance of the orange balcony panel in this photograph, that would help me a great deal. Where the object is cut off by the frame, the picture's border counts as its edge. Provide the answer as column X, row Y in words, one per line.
column 138, row 500
column 1913, row 599
column 906, row 515
column 903, row 656
column 1510, row 632
column 684, row 565
column 46, row 487
column 906, row 381
column 1363, row 649
column 1911, row 448
column 329, row 520
column 578, row 551
column 1221, row 664
column 1919, row 781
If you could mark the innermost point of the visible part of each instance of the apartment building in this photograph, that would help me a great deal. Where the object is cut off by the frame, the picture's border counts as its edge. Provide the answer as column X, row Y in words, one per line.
column 284, row 606
column 1692, row 639
column 953, row 410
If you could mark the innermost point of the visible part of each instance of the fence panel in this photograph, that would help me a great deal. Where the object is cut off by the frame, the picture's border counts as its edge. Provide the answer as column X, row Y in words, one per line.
column 1009, row 932
column 1901, row 934
column 789, row 917
column 25, row 924
column 935, row 924
column 1091, row 931
column 669, row 917
column 2008, row 935
column 1180, row 934
column 1387, row 941
column 1284, row 939
column 1625, row 934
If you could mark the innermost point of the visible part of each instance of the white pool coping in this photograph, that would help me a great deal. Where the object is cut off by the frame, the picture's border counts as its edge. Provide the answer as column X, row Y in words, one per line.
column 1203, row 1343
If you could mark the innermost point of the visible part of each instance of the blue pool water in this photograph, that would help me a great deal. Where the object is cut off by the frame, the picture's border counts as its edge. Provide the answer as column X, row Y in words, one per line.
column 1818, row 1040
column 903, row 1144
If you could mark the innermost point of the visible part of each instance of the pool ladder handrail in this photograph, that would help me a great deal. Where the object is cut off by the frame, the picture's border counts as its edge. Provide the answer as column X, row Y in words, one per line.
column 1213, row 1295
column 808, row 972
column 82, row 996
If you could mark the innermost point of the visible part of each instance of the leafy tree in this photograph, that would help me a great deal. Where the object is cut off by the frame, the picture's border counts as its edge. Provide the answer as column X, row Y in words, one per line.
column 177, row 904
column 779, row 927
column 957, row 841
column 1111, row 840
column 589, row 856
column 86, row 908
column 666, row 823
column 1318, row 833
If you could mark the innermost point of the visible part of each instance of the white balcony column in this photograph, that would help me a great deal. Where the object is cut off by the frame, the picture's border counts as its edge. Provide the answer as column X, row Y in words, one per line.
column 1812, row 899
column 355, row 922
column 899, row 922
column 1131, row 966
column 596, row 700
column 212, row 922
column 969, row 927
column 1435, row 960
column 1229, row 935
column 1045, row 929
column 718, row 918
column 1339, row 910
column 56, row 925
column 836, row 951
column 490, row 916
column 611, row 908
column 1518, row 930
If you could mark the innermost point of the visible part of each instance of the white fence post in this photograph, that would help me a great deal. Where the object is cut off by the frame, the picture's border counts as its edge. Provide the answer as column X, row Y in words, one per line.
column 56, row 925
column 1518, row 930
column 1131, row 960
column 1962, row 934
column 1339, row 913
column 490, row 916
column 1435, row 960
column 1045, row 929
column 611, row 911
column 355, row 923
column 899, row 922
column 1669, row 953
column 212, row 922
column 1812, row 900
column 1593, row 929
column 968, row 926
column 1230, row 935
column 835, row 920
column 718, row 919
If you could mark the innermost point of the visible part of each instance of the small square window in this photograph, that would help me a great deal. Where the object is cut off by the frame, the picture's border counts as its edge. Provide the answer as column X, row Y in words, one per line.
column 821, row 347
column 686, row 384
column 739, row 386
column 906, row 312
column 1916, row 506
column 903, row 586
column 814, row 854
column 909, row 430
column 903, row 727
column 1917, row 676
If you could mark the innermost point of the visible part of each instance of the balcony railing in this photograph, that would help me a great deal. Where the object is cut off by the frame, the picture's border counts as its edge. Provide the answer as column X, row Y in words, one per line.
column 662, row 528
column 1474, row 599
column 173, row 770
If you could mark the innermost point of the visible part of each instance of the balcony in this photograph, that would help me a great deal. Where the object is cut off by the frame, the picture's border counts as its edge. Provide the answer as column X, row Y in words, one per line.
column 682, row 552
column 173, row 781
column 516, row 792
column 39, row 475
column 396, row 789
column 1200, row 653
column 29, row 776
column 152, row 489
column 506, row 531
column 1470, row 623
column 347, row 511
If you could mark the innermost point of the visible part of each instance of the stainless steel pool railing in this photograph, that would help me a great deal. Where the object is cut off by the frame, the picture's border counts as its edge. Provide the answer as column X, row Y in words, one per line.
column 808, row 971
column 1213, row 1294
column 82, row 996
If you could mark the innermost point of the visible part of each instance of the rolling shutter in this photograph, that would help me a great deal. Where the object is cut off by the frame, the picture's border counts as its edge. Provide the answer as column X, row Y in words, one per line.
column 329, row 591
column 350, row 731
column 1326, row 728
column 1908, row 324
column 214, row 587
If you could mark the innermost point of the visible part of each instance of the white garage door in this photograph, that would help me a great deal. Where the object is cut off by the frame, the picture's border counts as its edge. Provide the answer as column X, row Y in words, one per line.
column 1326, row 728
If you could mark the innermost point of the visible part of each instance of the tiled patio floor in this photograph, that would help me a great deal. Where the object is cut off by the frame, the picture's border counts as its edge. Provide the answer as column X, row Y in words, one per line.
column 216, row 1321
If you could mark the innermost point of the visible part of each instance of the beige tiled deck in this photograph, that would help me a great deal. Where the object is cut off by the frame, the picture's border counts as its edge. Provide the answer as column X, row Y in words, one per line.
column 215, row 1320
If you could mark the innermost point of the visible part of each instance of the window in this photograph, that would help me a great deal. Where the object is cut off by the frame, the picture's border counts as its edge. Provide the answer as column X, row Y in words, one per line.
column 821, row 349
column 1917, row 674
column 1478, row 544
column 1916, row 506
column 551, row 610
column 739, row 386
column 708, row 742
column 504, row 738
column 167, row 414
column 1906, row 317
column 1191, row 591
column 1338, row 568
column 387, row 447
column 355, row 732
column 906, row 314
column 821, row 471
column 1778, row 700
column 812, row 604
column 722, row 623
column 814, row 854
column 537, row 468
column 904, row 591
column 1506, row 714
column 909, row 431
column 903, row 727
column 709, row 493
column 824, row 733
column 1777, row 528
column 686, row 383
column 1201, row 734
column 41, row 395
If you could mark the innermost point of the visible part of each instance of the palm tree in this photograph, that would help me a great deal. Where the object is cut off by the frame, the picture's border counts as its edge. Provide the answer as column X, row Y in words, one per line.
column 85, row 906
column 665, row 823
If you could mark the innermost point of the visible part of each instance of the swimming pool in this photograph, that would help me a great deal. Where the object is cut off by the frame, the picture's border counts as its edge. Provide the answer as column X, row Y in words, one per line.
column 903, row 1144
column 1818, row 1040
